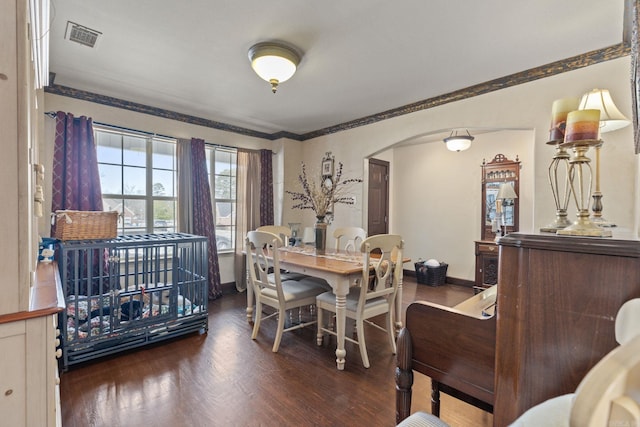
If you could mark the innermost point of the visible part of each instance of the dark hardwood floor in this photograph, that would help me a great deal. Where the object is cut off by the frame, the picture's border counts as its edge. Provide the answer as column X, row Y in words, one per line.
column 224, row 378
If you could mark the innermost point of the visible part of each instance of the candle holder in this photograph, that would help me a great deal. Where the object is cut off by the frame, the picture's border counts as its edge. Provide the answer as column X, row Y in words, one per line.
column 561, row 194
column 559, row 113
column 580, row 178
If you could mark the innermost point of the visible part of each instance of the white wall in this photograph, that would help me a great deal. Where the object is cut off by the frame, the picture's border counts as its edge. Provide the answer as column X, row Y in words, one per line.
column 445, row 229
column 441, row 191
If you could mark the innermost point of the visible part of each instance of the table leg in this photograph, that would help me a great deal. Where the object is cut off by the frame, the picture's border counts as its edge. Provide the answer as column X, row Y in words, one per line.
column 341, row 316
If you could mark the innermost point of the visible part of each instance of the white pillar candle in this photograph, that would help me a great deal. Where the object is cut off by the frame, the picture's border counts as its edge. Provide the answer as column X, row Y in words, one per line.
column 559, row 111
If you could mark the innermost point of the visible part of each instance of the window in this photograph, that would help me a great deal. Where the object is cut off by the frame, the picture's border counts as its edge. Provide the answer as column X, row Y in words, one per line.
column 221, row 165
column 138, row 179
column 138, row 176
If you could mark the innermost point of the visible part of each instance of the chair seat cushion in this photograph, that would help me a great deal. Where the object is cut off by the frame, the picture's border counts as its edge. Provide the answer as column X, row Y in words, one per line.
column 292, row 276
column 550, row 413
column 329, row 298
column 316, row 281
column 422, row 419
column 295, row 289
column 287, row 275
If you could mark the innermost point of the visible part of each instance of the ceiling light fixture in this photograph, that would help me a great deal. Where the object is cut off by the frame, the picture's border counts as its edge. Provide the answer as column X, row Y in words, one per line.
column 273, row 62
column 458, row 142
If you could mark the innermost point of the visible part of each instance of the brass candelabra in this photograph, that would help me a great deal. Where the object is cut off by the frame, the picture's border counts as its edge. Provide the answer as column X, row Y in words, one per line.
column 560, row 187
column 580, row 179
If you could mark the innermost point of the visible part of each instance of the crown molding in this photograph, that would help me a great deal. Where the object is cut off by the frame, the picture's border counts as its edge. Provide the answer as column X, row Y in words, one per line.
column 548, row 70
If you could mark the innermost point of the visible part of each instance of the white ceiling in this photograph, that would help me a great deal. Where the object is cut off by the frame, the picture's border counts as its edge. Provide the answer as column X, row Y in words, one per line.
column 360, row 57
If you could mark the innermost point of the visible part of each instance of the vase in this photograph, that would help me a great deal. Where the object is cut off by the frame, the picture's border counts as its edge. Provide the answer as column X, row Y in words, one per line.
column 321, row 235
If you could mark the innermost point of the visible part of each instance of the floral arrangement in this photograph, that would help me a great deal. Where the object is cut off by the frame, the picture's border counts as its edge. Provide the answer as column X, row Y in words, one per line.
column 321, row 197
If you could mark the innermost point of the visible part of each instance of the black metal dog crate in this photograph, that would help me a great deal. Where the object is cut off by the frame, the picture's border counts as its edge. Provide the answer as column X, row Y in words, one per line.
column 130, row 291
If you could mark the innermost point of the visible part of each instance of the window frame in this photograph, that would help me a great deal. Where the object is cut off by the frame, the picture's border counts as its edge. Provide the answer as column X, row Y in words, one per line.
column 149, row 198
column 228, row 236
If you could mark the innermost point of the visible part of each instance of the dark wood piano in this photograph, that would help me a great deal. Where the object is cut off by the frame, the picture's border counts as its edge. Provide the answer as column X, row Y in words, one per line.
column 455, row 347
column 556, row 305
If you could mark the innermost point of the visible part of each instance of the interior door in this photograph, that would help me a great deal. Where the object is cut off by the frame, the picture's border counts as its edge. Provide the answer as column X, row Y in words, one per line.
column 378, row 221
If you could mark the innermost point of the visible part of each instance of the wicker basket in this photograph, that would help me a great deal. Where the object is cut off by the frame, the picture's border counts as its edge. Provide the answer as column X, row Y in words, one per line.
column 432, row 276
column 86, row 225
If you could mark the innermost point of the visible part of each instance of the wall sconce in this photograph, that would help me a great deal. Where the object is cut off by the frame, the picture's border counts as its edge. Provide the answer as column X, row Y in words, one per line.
column 458, row 142
column 273, row 62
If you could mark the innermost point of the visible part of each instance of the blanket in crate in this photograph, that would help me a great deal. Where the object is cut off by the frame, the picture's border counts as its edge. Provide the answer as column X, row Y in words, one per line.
column 93, row 316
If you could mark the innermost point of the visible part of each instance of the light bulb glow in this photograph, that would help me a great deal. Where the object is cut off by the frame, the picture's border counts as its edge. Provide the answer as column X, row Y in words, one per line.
column 273, row 62
column 272, row 67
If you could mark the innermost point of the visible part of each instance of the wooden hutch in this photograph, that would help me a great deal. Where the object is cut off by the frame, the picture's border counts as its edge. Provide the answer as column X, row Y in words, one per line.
column 498, row 171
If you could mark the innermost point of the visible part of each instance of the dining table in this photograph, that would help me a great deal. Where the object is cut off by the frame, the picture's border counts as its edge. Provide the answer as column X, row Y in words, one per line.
column 341, row 269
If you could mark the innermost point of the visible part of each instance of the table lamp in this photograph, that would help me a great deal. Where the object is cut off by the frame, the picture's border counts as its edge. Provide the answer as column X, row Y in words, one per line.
column 611, row 119
column 505, row 197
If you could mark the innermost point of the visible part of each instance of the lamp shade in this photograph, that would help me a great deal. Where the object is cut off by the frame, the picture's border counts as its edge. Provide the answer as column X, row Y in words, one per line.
column 506, row 191
column 273, row 62
column 458, row 142
column 610, row 117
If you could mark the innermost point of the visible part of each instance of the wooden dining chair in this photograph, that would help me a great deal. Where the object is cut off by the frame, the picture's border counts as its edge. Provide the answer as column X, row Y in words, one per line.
column 281, row 231
column 284, row 233
column 383, row 254
column 349, row 238
column 262, row 253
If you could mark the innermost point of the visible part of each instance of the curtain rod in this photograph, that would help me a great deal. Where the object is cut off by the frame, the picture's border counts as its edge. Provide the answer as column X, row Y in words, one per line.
column 52, row 114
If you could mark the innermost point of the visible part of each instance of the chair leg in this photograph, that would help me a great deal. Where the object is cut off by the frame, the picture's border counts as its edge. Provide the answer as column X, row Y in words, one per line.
column 361, row 343
column 258, row 319
column 435, row 398
column 320, row 334
column 391, row 332
column 276, row 344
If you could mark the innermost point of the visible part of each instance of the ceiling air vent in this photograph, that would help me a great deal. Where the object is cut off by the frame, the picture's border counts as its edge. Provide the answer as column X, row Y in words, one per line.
column 83, row 35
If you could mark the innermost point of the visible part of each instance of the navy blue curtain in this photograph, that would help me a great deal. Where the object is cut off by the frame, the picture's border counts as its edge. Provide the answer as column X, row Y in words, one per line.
column 76, row 180
column 76, row 186
column 266, row 188
column 203, row 213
